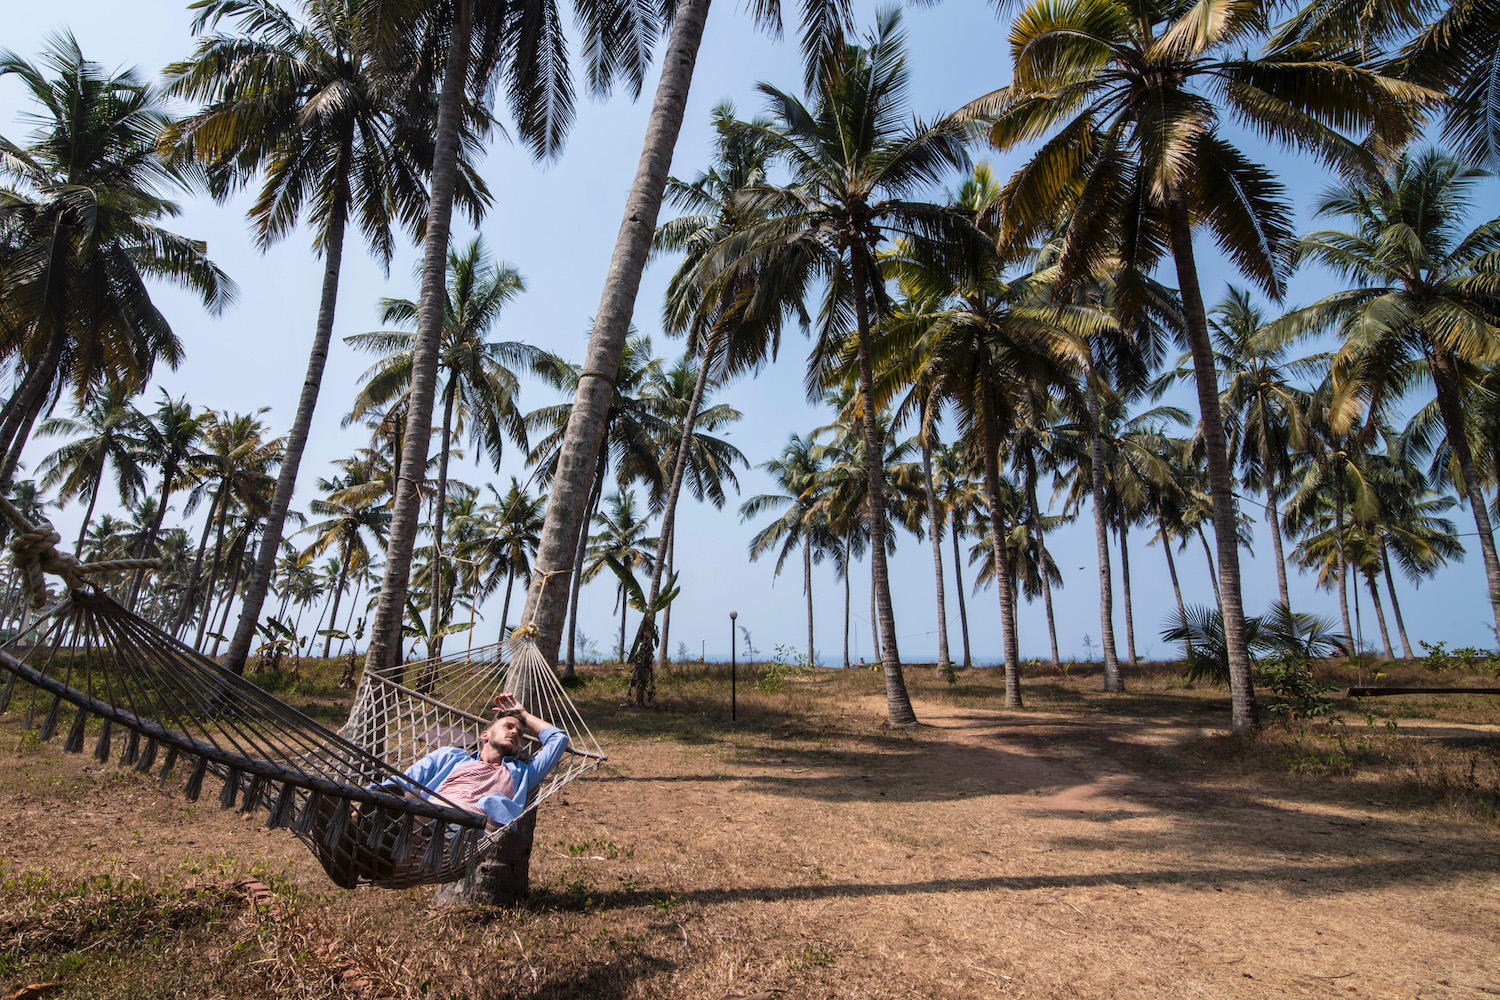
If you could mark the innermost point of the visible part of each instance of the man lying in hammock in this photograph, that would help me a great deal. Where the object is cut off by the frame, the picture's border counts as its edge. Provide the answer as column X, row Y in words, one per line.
column 498, row 779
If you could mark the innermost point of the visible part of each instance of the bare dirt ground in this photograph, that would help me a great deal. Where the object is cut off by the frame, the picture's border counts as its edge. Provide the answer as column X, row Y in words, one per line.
column 1079, row 848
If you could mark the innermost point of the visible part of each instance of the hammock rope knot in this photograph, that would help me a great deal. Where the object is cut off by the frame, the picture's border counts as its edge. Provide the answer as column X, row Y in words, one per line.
column 34, row 553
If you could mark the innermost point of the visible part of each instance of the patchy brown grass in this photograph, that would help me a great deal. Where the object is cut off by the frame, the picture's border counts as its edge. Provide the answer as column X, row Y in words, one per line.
column 1086, row 846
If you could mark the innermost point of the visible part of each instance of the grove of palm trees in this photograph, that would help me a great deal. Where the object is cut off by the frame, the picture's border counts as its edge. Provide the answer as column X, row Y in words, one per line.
column 1018, row 514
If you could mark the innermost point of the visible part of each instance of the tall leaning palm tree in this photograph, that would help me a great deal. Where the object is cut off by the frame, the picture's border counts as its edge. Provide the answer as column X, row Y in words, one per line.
column 1132, row 99
column 855, row 161
column 823, row 24
column 304, row 105
column 1425, row 303
column 469, row 46
column 479, row 384
column 632, row 428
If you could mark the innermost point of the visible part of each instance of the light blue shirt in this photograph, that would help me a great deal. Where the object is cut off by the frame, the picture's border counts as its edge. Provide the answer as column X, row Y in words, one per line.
column 432, row 770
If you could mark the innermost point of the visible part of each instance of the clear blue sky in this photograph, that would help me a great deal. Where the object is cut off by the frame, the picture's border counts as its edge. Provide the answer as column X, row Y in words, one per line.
column 556, row 223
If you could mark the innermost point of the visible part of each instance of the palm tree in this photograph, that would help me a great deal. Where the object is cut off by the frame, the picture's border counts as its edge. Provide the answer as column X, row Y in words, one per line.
column 853, row 163
column 1425, row 303
column 467, row 45
column 1335, row 474
column 962, row 499
column 702, row 462
column 345, row 527
column 305, row 105
column 845, row 487
column 1131, row 470
column 727, row 323
column 1137, row 155
column 480, row 387
column 236, row 462
column 1408, row 527
column 105, row 432
column 823, row 24
column 992, row 345
column 167, row 439
column 1450, row 47
column 803, row 520
column 620, row 545
column 632, row 432
column 1263, row 407
column 504, row 540
column 83, row 239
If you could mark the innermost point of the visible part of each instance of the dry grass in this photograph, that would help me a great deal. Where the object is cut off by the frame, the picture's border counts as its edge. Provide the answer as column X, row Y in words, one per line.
column 1087, row 846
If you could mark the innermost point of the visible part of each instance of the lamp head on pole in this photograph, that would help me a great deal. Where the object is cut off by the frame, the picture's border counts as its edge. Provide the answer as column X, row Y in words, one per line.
column 733, row 615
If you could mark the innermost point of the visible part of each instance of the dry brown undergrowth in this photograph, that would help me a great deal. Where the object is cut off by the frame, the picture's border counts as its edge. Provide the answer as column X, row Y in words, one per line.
column 1086, row 846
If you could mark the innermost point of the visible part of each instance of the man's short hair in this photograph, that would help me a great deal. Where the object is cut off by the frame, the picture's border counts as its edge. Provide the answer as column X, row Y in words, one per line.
column 523, row 749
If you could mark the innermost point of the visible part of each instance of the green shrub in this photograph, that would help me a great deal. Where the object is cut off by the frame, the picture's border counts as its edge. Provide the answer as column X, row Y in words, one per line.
column 786, row 663
column 1291, row 679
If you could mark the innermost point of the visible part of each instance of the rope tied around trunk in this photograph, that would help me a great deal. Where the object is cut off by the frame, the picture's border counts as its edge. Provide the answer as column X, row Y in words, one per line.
column 34, row 553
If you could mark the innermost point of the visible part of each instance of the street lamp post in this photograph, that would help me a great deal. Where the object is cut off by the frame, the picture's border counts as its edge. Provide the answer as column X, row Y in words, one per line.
column 732, row 677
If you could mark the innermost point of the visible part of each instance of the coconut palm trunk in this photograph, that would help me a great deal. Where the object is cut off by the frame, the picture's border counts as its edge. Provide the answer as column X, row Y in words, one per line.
column 1125, row 586
column 1112, row 679
column 510, row 585
column 1273, row 518
column 1166, row 547
column 1034, row 509
column 13, row 461
column 935, row 529
column 897, row 702
column 213, row 571
column 1341, row 564
column 846, row 604
column 807, row 589
column 338, row 590
column 29, row 400
column 874, row 625
column 189, row 593
column 296, row 441
column 958, row 590
column 1385, row 635
column 576, row 580
column 88, row 514
column 440, row 508
column 1445, row 380
column 1243, row 717
column 1390, row 586
column 997, row 536
column 234, row 583
column 585, row 431
column 385, row 638
column 679, row 472
column 148, row 540
column 666, row 614
column 1208, row 556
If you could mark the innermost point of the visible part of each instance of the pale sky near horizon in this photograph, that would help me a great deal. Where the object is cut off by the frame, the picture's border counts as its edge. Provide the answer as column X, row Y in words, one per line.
column 556, row 223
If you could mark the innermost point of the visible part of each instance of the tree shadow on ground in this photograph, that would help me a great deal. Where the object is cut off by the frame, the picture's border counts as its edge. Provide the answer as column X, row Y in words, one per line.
column 1106, row 772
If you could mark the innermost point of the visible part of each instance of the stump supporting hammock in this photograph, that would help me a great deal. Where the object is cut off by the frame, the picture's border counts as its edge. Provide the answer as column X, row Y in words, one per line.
column 138, row 693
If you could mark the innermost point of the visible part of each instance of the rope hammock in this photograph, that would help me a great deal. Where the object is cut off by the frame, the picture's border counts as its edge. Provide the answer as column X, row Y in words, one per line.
column 153, row 702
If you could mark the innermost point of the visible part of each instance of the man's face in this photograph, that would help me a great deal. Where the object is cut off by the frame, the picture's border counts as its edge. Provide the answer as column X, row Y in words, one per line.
column 499, row 741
